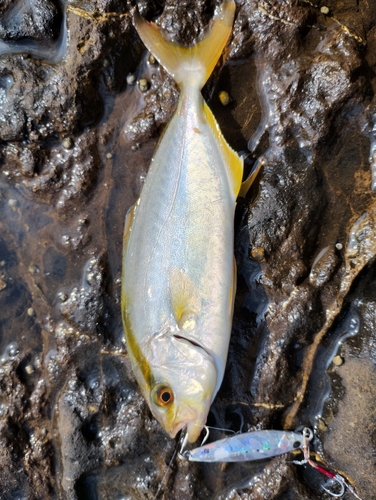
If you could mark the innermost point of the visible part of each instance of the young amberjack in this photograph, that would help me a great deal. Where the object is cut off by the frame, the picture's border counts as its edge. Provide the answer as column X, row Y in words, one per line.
column 179, row 276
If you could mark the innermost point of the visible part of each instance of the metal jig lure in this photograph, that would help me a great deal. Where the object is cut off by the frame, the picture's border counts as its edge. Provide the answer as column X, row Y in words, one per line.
column 255, row 445
column 258, row 445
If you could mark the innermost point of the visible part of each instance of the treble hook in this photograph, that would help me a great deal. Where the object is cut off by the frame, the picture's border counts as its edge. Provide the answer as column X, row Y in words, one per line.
column 333, row 476
column 337, row 480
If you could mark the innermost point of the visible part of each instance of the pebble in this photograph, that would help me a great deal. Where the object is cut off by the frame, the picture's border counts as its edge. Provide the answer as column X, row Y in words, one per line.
column 109, row 156
column 29, row 369
column 338, row 360
column 152, row 59
column 258, row 253
column 13, row 351
column 63, row 297
column 33, row 269
column 321, row 425
column 143, row 85
column 324, row 10
column 131, row 79
column 224, row 98
column 68, row 143
column 30, row 311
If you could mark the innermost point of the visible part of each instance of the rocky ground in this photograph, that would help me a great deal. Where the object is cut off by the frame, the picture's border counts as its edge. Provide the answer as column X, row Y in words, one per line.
column 77, row 132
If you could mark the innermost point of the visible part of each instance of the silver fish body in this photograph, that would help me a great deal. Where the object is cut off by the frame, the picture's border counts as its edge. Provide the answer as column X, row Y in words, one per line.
column 178, row 266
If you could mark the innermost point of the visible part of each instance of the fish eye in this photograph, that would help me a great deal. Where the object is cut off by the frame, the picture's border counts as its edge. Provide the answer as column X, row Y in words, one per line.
column 162, row 395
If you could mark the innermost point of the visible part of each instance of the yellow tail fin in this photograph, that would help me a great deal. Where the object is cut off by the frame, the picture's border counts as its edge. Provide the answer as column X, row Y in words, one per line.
column 189, row 65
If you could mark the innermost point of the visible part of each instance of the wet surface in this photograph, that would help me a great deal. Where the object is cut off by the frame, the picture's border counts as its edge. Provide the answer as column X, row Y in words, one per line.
column 76, row 138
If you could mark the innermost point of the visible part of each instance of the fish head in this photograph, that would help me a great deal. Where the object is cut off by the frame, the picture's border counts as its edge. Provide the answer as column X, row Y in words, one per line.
column 182, row 384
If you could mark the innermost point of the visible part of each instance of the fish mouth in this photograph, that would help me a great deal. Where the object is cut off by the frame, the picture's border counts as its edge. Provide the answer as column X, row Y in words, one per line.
column 185, row 415
column 192, row 429
column 176, row 428
column 190, row 420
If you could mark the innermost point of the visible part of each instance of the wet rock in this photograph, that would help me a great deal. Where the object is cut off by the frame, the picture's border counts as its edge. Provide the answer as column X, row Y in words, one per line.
column 323, row 266
column 353, row 426
column 36, row 20
column 76, row 142
column 188, row 21
column 160, row 102
column 84, row 306
column 63, row 102
column 56, row 174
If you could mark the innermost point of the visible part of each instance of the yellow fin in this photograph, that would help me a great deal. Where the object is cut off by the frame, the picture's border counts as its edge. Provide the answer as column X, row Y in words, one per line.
column 233, row 160
column 128, row 226
column 250, row 179
column 185, row 302
column 189, row 65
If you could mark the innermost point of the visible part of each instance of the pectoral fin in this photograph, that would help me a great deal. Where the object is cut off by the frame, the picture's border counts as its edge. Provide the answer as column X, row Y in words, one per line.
column 184, row 299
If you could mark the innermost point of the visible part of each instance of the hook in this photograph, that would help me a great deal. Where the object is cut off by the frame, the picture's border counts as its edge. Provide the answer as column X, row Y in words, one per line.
column 184, row 454
column 331, row 492
column 206, row 436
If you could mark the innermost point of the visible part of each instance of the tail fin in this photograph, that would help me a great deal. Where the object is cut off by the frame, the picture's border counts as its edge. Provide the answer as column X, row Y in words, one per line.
column 189, row 65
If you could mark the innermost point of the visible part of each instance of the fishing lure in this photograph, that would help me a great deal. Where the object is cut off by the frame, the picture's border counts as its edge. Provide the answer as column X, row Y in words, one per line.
column 258, row 445
column 255, row 445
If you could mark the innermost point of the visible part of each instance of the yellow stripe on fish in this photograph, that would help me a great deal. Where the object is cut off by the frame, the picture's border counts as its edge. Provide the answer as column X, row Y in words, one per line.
column 179, row 278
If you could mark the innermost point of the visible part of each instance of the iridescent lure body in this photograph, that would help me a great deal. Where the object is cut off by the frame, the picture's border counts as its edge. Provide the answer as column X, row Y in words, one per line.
column 255, row 445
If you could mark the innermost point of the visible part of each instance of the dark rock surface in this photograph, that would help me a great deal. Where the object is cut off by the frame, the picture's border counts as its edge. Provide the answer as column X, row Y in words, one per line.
column 76, row 138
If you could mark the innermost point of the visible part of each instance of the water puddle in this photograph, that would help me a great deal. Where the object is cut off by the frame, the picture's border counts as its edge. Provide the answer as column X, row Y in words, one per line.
column 24, row 12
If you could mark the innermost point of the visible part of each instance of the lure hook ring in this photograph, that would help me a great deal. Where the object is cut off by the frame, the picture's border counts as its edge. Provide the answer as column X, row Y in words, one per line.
column 307, row 433
column 332, row 493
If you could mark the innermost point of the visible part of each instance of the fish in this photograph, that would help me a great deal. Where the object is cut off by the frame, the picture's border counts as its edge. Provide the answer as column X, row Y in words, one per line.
column 178, row 269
